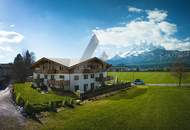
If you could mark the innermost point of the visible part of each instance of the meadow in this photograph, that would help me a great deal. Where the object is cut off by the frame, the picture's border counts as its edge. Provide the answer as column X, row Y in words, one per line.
column 35, row 101
column 148, row 108
column 33, row 96
column 149, row 77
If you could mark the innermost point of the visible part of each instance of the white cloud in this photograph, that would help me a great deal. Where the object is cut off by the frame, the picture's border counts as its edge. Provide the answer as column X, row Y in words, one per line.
column 6, row 49
column 154, row 31
column 12, row 25
column 133, row 9
column 156, row 15
column 167, row 28
column 10, row 37
column 8, row 40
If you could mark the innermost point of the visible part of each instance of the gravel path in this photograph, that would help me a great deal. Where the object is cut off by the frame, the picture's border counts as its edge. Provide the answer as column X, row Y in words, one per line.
column 10, row 118
column 188, row 84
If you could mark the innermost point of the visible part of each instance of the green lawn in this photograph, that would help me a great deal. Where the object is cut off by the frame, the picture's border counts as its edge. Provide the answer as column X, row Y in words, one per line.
column 33, row 96
column 148, row 108
column 149, row 77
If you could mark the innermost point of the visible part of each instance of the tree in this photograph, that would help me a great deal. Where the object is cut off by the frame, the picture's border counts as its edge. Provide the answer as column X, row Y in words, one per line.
column 18, row 68
column 178, row 70
column 22, row 66
column 137, row 69
column 28, row 61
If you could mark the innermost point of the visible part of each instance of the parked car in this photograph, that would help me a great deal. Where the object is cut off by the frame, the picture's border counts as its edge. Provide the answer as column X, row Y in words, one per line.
column 138, row 82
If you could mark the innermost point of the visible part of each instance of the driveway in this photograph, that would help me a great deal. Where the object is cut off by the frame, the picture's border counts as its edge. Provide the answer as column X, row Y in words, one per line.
column 188, row 84
column 10, row 118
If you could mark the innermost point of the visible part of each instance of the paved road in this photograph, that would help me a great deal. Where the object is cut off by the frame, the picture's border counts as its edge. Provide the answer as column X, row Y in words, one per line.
column 188, row 84
column 10, row 118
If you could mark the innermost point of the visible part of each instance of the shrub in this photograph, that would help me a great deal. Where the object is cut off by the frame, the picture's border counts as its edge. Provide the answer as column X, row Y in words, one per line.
column 29, row 109
column 19, row 100
column 53, row 107
column 58, row 104
column 63, row 103
column 78, row 102
column 35, row 102
column 49, row 106
column 69, row 102
column 37, row 108
column 38, row 89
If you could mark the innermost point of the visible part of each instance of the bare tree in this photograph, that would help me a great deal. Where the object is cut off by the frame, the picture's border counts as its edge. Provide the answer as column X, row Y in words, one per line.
column 178, row 70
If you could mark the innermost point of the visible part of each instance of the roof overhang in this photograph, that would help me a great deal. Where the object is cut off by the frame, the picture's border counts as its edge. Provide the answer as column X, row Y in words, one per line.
column 44, row 60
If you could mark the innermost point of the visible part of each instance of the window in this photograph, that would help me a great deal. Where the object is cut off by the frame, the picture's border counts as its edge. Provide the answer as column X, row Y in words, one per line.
column 61, row 76
column 101, row 75
column 92, row 86
column 76, row 87
column 45, row 76
column 52, row 77
column 85, row 87
column 76, row 77
column 85, row 76
column 92, row 75
column 38, row 76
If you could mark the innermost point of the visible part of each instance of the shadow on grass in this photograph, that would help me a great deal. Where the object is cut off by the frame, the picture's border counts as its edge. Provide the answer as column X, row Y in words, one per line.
column 62, row 92
column 129, row 93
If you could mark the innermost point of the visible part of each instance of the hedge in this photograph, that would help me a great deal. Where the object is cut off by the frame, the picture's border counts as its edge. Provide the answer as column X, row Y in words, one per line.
column 32, row 106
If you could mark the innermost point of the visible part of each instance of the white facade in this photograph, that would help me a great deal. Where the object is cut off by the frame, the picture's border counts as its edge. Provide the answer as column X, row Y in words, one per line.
column 79, row 83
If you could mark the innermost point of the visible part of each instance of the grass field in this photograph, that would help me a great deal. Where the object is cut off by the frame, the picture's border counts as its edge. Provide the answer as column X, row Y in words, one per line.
column 33, row 96
column 148, row 108
column 149, row 77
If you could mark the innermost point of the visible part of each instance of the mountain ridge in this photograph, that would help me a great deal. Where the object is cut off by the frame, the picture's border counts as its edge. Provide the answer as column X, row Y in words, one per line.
column 157, row 56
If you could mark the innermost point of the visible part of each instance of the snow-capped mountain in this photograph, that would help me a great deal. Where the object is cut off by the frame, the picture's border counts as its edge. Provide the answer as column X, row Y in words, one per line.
column 135, row 50
column 132, row 53
column 156, row 56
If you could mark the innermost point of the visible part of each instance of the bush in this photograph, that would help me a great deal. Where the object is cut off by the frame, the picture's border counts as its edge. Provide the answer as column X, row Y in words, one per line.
column 53, row 106
column 63, row 103
column 69, row 102
column 19, row 100
column 35, row 102
column 78, row 102
column 38, row 89
column 37, row 108
column 29, row 109
column 58, row 104
column 49, row 106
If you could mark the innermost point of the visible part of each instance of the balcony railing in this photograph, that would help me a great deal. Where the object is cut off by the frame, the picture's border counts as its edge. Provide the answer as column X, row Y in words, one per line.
column 58, row 82
column 46, row 71
column 100, row 79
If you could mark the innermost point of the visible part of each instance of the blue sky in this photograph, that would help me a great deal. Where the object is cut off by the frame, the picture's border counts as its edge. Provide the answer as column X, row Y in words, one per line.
column 63, row 28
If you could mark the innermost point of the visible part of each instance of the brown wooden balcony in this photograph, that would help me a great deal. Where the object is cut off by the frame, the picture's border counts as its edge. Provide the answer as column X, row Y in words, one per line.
column 37, row 71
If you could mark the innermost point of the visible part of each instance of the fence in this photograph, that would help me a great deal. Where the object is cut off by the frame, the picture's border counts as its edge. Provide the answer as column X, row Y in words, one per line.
column 105, row 89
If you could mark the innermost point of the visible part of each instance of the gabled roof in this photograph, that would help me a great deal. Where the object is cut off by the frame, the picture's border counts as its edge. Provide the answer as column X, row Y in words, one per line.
column 91, row 59
column 67, row 62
